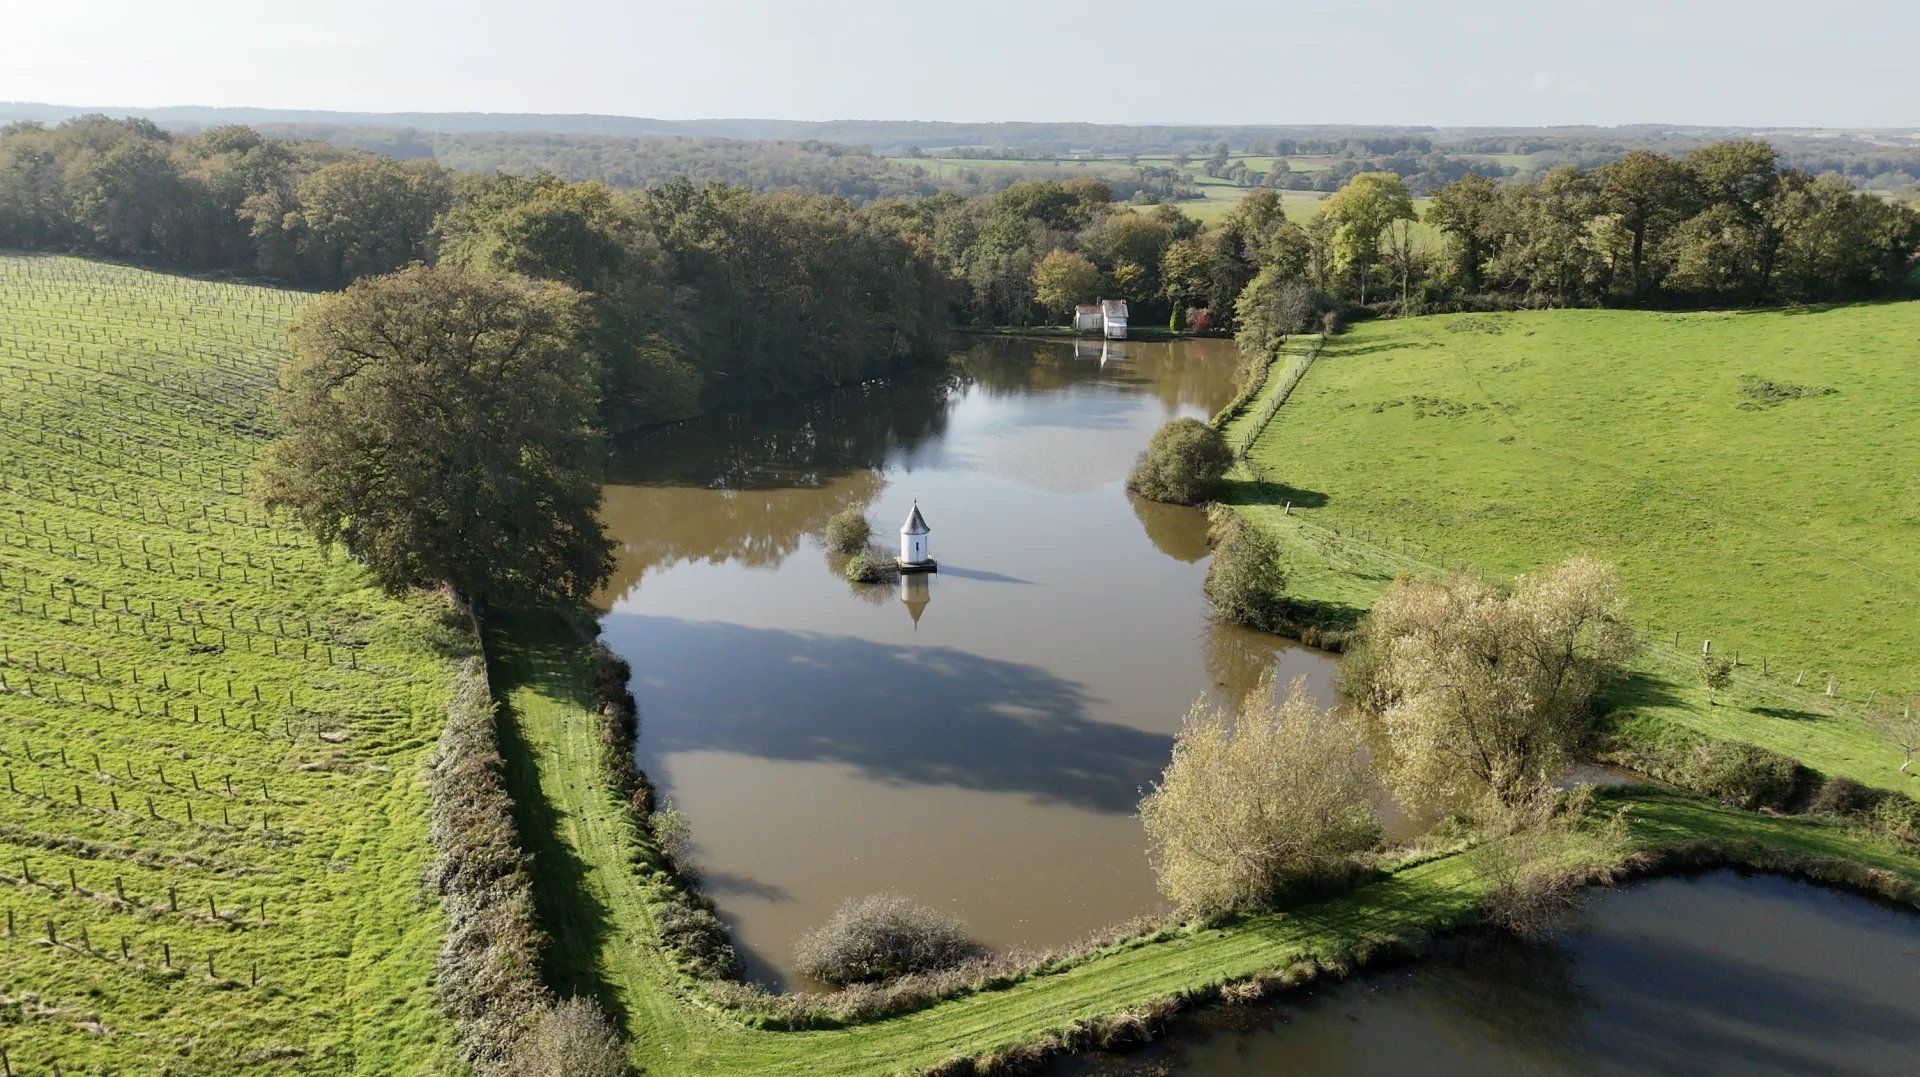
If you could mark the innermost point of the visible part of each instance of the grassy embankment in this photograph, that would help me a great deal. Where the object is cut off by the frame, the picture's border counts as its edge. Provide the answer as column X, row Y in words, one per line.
column 212, row 821
column 595, row 898
column 1782, row 527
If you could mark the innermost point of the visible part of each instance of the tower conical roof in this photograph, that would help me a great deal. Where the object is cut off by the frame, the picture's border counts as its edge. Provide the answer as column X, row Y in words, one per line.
column 916, row 524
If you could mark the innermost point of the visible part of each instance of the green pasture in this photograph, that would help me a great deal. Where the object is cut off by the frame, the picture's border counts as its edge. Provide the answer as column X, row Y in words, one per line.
column 1751, row 474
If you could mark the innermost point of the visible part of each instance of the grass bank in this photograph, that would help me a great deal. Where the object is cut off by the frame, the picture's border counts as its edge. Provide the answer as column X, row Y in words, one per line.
column 1747, row 471
column 598, row 885
column 213, row 835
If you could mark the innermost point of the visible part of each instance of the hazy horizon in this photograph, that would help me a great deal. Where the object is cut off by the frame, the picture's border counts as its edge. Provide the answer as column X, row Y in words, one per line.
column 1505, row 64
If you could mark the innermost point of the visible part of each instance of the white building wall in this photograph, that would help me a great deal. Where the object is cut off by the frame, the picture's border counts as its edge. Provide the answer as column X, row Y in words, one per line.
column 913, row 548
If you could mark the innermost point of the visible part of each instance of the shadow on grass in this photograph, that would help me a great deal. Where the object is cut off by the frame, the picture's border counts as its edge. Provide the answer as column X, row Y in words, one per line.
column 577, row 924
column 1261, row 492
column 1790, row 714
column 1636, row 690
column 1348, row 351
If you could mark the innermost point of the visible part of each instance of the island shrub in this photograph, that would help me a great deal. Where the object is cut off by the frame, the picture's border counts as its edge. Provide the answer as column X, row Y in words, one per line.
column 1183, row 463
column 872, row 565
column 1482, row 693
column 848, row 531
column 882, row 936
column 1246, row 576
column 1259, row 805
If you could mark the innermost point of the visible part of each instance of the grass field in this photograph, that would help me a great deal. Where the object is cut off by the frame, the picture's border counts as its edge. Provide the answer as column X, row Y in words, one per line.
column 1781, row 521
column 212, row 817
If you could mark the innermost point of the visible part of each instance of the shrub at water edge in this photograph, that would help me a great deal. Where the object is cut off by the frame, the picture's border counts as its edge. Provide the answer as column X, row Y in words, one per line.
column 1183, row 463
column 1482, row 692
column 881, row 936
column 1256, row 805
column 1246, row 576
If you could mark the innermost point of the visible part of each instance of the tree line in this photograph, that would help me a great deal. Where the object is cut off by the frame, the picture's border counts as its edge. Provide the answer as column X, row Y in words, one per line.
column 693, row 295
column 1724, row 225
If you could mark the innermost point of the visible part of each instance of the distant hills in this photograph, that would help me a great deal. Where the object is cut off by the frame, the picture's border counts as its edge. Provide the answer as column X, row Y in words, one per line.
column 862, row 159
column 883, row 136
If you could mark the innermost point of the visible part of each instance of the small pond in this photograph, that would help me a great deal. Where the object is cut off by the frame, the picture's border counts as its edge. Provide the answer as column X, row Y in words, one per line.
column 977, row 738
column 1720, row 973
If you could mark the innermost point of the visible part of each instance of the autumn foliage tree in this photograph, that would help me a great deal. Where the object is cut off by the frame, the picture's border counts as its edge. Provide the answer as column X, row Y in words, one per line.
column 439, row 425
column 1482, row 692
column 1063, row 279
column 1254, row 804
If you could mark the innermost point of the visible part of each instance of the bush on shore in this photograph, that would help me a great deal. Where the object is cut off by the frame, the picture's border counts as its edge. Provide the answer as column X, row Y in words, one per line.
column 1259, row 804
column 848, row 531
column 1183, row 463
column 1745, row 775
column 1246, row 577
column 1481, row 692
column 1539, row 856
column 881, row 936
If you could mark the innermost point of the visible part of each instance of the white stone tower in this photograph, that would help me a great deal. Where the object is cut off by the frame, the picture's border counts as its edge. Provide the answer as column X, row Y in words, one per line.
column 916, row 550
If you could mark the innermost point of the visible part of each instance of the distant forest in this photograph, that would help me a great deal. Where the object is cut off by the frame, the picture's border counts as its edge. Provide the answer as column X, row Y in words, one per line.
column 843, row 157
column 704, row 291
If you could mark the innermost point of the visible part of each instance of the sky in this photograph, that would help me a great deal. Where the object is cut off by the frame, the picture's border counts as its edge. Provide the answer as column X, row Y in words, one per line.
column 1838, row 63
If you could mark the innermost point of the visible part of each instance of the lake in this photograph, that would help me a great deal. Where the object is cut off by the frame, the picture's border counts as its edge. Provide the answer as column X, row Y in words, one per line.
column 1718, row 973
column 978, row 738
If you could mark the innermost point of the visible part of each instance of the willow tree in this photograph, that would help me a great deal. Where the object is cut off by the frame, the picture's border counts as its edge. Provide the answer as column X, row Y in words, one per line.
column 439, row 425
column 1482, row 693
column 1252, row 805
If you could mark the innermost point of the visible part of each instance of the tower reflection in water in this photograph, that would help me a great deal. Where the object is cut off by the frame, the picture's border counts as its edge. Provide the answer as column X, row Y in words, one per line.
column 914, row 590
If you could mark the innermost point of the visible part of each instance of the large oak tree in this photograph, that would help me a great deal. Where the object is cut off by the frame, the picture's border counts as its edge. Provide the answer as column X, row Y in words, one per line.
column 439, row 424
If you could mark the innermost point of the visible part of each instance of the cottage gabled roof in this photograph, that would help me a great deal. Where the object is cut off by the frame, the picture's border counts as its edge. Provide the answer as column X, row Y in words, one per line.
column 916, row 524
column 1113, row 308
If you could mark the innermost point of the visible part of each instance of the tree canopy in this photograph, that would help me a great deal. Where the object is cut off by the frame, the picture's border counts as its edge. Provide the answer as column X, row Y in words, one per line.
column 439, row 425
column 1253, row 804
column 1481, row 693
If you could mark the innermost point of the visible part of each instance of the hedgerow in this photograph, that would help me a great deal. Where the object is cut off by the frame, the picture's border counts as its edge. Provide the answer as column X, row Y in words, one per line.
column 490, row 956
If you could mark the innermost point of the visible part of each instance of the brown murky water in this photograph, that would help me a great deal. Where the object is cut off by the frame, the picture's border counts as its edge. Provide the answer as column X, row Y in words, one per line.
column 1716, row 974
column 977, row 738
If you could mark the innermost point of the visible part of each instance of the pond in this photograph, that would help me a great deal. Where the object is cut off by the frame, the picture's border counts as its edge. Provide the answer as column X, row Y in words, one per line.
column 978, row 738
column 1720, row 973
